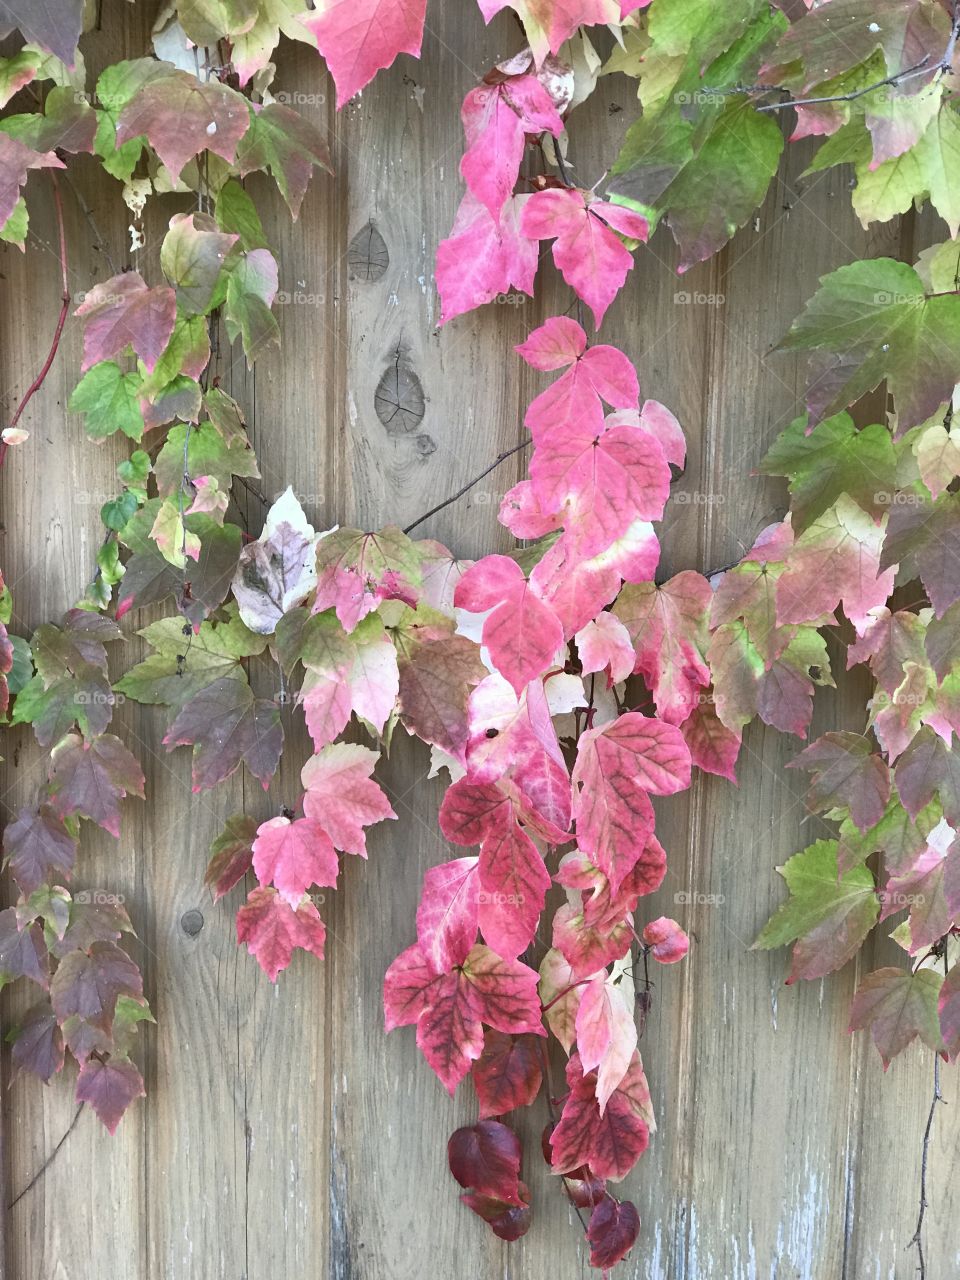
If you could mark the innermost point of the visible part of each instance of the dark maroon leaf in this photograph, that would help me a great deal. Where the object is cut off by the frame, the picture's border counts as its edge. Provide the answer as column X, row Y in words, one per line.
column 508, row 1073
column 38, row 848
column 38, row 1043
column 486, row 1157
column 87, row 983
column 507, row 1221
column 612, row 1232
column 109, row 1087
column 225, row 724
column 91, row 778
column 231, row 855
column 22, row 953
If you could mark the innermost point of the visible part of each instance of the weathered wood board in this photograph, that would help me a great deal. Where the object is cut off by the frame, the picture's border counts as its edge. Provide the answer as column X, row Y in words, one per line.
column 283, row 1133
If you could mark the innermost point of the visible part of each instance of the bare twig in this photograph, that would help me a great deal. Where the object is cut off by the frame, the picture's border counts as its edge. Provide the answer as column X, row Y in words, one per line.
column 501, row 457
column 49, row 1160
column 917, row 1237
column 38, row 381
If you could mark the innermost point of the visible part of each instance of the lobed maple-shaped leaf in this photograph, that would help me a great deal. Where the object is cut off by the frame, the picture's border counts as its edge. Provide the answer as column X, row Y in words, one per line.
column 437, row 672
column 109, row 1087
column 231, row 855
column 358, row 38
column 604, row 645
column 847, row 773
column 101, row 918
column 272, row 929
column 226, row 725
column 484, row 257
column 55, row 26
column 356, row 672
column 496, row 119
column 924, row 538
column 508, row 1073
column 282, row 142
column 873, row 321
column 181, row 115
column 38, row 848
column 89, row 779
column 589, row 254
column 706, row 177
column 22, row 953
column 124, row 312
column 617, row 768
column 898, row 1006
column 16, row 161
column 486, row 1157
column 278, row 570
column 832, row 459
column 601, row 906
column 928, row 768
column 588, row 948
column 591, row 376
column 827, row 915
column 930, row 887
column 612, row 1231
column 667, row 626
column 358, row 571
column 667, row 941
column 610, row 1143
column 293, row 855
column 341, row 795
column 38, row 1043
column 448, row 1009
column 522, row 634
column 88, row 984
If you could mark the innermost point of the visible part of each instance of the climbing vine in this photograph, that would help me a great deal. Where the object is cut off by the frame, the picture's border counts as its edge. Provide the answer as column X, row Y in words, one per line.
column 560, row 687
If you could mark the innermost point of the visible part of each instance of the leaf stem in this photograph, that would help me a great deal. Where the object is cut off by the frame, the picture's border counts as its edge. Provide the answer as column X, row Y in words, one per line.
column 61, row 320
column 501, row 457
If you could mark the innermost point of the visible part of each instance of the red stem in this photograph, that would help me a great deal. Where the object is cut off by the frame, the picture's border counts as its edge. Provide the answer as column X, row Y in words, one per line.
column 560, row 994
column 61, row 321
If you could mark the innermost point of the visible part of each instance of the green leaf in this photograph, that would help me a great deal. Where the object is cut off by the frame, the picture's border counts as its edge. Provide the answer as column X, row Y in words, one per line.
column 208, row 454
column 871, row 321
column 237, row 214
column 14, row 230
column 251, row 288
column 283, row 142
column 827, row 915
column 834, row 458
column 721, row 173
column 109, row 400
column 118, row 511
column 927, row 169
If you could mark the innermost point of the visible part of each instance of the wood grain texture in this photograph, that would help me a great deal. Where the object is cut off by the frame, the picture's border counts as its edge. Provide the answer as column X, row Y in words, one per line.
column 284, row 1133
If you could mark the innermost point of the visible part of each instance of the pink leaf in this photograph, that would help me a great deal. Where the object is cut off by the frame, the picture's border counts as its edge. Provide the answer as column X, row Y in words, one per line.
column 521, row 633
column 272, row 930
column 358, row 38
column 589, row 255
column 447, row 913
column 292, row 856
column 480, row 260
column 342, row 796
column 109, row 1087
column 122, row 313
column 496, row 119
column 604, row 645
column 667, row 941
column 514, row 884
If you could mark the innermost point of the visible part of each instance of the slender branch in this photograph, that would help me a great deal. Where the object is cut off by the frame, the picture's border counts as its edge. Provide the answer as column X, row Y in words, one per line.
column 917, row 1237
column 560, row 994
column 61, row 321
column 918, row 69
column 501, row 457
column 49, row 1160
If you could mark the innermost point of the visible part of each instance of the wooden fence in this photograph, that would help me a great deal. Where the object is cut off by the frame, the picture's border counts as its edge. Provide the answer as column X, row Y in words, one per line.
column 283, row 1133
